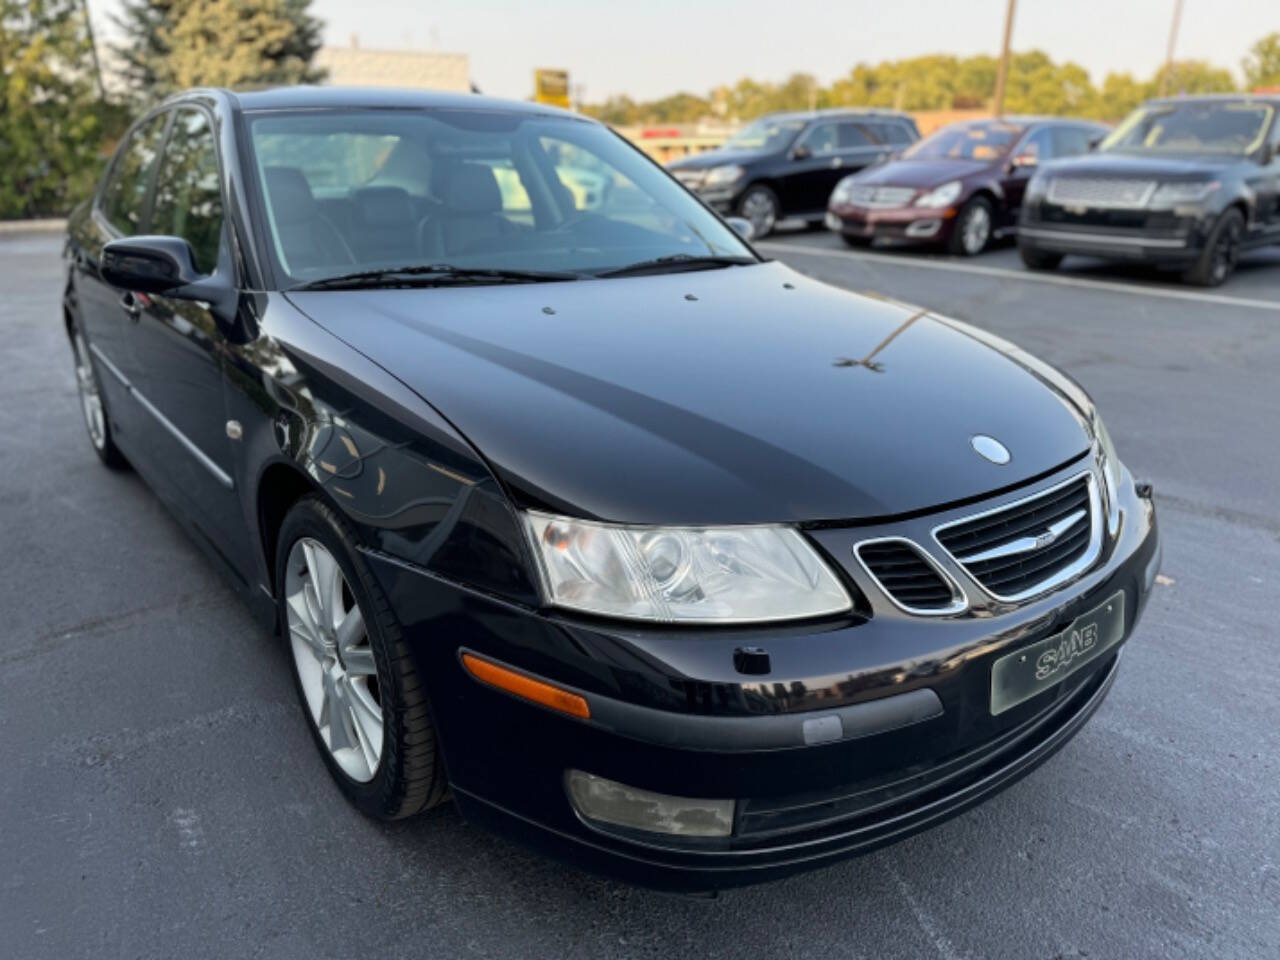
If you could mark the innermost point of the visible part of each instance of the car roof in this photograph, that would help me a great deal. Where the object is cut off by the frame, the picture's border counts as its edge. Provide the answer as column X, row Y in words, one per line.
column 835, row 112
column 309, row 97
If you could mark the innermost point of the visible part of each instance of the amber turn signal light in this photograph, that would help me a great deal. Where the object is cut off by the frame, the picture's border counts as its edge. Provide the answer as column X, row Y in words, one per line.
column 525, row 687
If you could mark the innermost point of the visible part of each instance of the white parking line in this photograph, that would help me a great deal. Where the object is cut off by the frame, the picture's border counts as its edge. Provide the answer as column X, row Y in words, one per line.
column 955, row 267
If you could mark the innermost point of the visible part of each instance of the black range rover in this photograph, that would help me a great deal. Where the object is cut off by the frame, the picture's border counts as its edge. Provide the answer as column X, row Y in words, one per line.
column 787, row 164
column 1188, row 182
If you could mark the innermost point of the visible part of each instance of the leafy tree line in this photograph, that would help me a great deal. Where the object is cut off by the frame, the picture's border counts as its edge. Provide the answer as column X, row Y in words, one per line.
column 1036, row 85
column 56, row 124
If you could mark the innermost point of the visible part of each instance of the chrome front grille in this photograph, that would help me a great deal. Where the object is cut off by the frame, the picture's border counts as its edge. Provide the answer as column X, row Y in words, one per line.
column 1029, row 546
column 1101, row 192
column 869, row 195
column 909, row 578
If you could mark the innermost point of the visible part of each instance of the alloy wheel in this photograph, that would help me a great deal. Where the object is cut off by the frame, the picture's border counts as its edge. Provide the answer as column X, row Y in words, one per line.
column 976, row 230
column 334, row 660
column 1226, row 253
column 90, row 398
column 759, row 208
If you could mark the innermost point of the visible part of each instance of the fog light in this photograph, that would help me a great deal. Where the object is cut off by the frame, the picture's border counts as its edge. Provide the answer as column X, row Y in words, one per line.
column 596, row 798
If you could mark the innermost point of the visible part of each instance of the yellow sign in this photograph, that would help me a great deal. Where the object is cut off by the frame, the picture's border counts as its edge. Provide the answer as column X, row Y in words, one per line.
column 552, row 87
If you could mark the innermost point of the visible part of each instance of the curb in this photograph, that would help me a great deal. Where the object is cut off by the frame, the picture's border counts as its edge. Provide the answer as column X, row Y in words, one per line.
column 50, row 225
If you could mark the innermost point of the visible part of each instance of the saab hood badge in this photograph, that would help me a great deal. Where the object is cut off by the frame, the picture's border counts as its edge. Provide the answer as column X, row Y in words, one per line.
column 989, row 448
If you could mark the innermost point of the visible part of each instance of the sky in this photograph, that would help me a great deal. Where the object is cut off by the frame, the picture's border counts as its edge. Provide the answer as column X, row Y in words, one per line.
column 653, row 48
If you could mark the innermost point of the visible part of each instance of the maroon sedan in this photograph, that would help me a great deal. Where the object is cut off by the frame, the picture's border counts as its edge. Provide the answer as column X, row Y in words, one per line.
column 959, row 187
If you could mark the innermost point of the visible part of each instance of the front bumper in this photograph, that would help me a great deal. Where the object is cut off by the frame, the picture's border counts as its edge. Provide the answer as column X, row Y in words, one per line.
column 1170, row 236
column 670, row 714
column 896, row 224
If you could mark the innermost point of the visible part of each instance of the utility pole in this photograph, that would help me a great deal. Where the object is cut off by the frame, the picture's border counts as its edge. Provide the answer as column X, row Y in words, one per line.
column 93, row 50
column 1166, row 78
column 1003, row 73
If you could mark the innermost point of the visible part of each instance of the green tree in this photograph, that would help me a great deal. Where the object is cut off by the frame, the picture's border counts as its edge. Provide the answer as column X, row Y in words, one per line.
column 1193, row 76
column 1262, row 65
column 173, row 44
column 52, row 123
column 1120, row 93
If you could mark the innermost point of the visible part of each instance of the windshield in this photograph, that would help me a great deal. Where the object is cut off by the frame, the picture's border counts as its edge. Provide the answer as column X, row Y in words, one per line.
column 347, row 191
column 1195, row 128
column 764, row 135
column 970, row 141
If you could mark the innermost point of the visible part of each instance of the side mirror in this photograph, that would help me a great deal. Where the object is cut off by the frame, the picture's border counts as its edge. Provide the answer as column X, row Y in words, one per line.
column 149, row 264
column 741, row 226
column 801, row 153
column 1093, row 144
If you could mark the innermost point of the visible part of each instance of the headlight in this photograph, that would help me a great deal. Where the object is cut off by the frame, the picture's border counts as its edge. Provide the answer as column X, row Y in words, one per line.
column 1171, row 194
column 1111, row 469
column 683, row 574
column 1036, row 187
column 843, row 193
column 719, row 176
column 942, row 196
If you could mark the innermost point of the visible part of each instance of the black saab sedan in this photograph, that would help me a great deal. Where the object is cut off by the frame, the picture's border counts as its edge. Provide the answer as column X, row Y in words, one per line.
column 785, row 165
column 959, row 187
column 1185, row 182
column 645, row 550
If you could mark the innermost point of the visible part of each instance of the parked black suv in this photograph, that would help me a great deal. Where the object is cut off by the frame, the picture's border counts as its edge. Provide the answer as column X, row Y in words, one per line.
column 1187, row 181
column 787, row 164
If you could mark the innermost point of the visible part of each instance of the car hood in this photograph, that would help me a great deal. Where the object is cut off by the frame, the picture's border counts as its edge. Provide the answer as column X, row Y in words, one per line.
column 921, row 174
column 715, row 158
column 737, row 395
column 1128, row 164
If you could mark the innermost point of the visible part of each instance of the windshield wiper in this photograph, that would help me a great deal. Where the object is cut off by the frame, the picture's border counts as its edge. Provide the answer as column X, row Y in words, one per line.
column 677, row 261
column 432, row 274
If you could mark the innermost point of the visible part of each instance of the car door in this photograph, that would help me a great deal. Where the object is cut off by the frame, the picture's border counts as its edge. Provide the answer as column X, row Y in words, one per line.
column 1034, row 148
column 860, row 146
column 179, row 346
column 106, row 313
column 811, row 171
column 1267, row 188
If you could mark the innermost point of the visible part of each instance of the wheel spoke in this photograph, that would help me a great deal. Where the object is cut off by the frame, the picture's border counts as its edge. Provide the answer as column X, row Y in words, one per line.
column 338, row 704
column 367, row 723
column 359, row 662
column 350, row 631
column 302, row 623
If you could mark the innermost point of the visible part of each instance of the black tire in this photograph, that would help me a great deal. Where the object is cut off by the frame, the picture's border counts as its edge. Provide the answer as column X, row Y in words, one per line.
column 1217, row 261
column 855, row 241
column 410, row 776
column 759, row 205
column 956, row 243
column 1039, row 259
column 87, row 379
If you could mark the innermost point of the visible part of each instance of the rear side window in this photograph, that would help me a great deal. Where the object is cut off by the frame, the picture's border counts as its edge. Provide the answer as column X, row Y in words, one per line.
column 126, row 192
column 188, row 200
column 894, row 133
column 1071, row 141
column 853, row 135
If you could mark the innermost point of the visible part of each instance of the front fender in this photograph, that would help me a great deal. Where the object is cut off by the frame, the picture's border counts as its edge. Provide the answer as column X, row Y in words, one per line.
column 316, row 413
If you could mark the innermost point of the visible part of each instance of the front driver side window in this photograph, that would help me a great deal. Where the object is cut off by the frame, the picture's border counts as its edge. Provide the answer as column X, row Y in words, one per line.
column 126, row 192
column 188, row 201
column 821, row 140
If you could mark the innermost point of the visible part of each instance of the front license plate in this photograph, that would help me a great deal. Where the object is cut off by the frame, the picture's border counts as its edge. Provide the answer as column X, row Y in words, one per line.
column 1017, row 677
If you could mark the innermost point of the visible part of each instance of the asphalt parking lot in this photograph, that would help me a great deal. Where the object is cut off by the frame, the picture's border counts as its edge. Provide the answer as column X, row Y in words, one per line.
column 161, row 796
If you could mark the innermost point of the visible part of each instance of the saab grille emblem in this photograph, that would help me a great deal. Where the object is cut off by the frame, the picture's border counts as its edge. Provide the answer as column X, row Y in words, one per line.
column 989, row 448
column 1045, row 539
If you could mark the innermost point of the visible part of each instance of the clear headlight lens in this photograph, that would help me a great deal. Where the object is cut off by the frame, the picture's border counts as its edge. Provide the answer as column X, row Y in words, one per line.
column 843, row 193
column 1111, row 467
column 1170, row 194
column 683, row 574
column 720, row 176
column 942, row 196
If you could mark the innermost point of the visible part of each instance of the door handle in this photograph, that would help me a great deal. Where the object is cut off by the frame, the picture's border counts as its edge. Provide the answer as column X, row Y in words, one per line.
column 131, row 305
